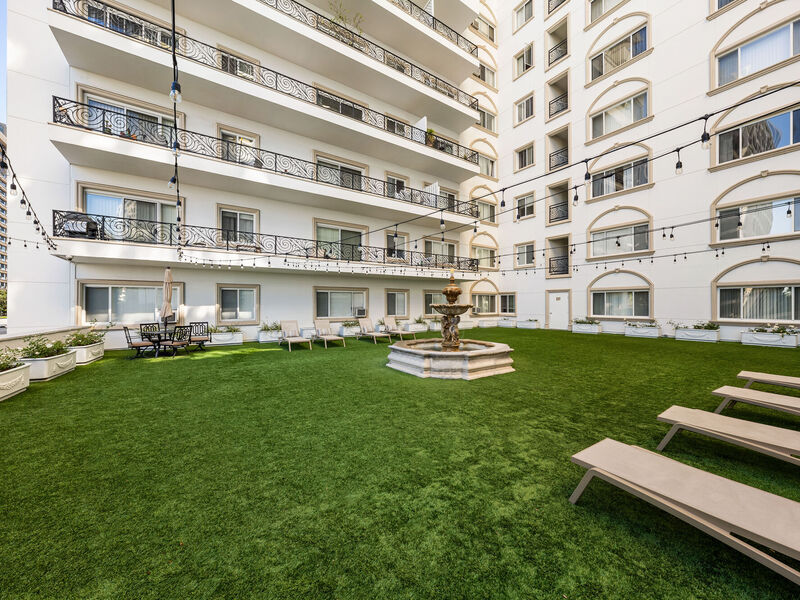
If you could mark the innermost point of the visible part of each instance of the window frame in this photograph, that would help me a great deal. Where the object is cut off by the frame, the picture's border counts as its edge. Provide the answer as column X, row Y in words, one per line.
column 110, row 283
column 484, row 111
column 402, row 254
column 425, row 302
column 794, row 130
column 239, row 211
column 524, row 100
column 521, row 6
column 317, row 289
column 648, row 47
column 406, row 293
column 526, row 52
column 717, row 241
column 490, row 26
column 793, row 285
column 607, row 134
column 631, row 290
column 626, row 163
column 647, row 222
column 483, row 68
column 532, row 196
column 517, row 247
column 239, row 287
column 499, row 307
column 529, row 147
column 474, row 300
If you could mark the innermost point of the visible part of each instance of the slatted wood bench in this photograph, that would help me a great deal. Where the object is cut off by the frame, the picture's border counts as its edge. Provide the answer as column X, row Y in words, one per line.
column 781, row 380
column 731, row 395
column 726, row 510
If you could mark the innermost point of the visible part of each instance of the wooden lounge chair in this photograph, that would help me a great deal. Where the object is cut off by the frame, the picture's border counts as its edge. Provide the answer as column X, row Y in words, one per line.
column 141, row 346
column 732, row 395
column 393, row 329
column 726, row 510
column 324, row 334
column 772, row 441
column 200, row 335
column 290, row 333
column 178, row 339
column 368, row 330
column 781, row 380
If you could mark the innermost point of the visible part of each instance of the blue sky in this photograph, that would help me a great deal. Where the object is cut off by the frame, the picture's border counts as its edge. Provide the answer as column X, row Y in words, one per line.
column 3, row 61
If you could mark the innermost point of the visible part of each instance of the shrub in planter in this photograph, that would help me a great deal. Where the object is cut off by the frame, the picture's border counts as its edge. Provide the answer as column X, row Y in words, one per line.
column 269, row 332
column 14, row 374
column 506, row 323
column 529, row 324
column 587, row 325
column 648, row 329
column 88, row 346
column 47, row 359
column 417, row 326
column 778, row 336
column 699, row 332
column 229, row 335
column 349, row 328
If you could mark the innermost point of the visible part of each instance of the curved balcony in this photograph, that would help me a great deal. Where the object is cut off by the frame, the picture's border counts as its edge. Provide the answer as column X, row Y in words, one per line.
column 124, row 23
column 82, row 226
column 144, row 131
column 429, row 20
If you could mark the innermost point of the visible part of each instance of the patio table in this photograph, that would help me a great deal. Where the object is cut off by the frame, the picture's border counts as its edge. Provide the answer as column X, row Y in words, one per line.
column 158, row 337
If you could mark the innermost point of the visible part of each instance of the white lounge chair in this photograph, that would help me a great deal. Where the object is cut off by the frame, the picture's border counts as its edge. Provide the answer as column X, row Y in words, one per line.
column 781, row 380
column 393, row 329
column 726, row 510
column 773, row 441
column 367, row 330
column 290, row 333
column 732, row 395
column 323, row 333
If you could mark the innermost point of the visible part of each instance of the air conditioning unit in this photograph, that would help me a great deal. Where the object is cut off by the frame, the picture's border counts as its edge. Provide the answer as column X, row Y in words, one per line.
column 361, row 312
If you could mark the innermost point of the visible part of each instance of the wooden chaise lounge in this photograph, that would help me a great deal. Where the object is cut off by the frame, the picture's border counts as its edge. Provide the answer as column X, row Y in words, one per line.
column 323, row 333
column 726, row 510
column 290, row 333
column 731, row 395
column 393, row 329
column 368, row 330
column 773, row 441
column 781, row 380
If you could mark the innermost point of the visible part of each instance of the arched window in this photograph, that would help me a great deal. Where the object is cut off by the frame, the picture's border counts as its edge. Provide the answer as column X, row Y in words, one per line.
column 484, row 247
column 622, row 172
column 484, row 297
column 623, row 42
column 758, row 291
column 621, row 231
column 622, row 106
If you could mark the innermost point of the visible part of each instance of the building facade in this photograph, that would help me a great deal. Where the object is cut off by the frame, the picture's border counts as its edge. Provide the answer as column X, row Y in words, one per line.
column 3, row 214
column 334, row 165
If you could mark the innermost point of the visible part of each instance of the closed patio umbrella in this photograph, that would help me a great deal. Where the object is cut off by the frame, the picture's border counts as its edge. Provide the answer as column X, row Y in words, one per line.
column 166, row 307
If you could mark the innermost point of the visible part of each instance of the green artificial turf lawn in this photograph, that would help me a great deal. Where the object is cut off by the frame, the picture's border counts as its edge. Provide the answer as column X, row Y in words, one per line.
column 249, row 472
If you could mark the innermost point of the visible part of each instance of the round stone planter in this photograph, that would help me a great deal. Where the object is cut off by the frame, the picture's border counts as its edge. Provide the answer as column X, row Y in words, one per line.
column 590, row 328
column 14, row 381
column 44, row 369
column 226, row 338
column 775, row 340
column 697, row 335
column 87, row 354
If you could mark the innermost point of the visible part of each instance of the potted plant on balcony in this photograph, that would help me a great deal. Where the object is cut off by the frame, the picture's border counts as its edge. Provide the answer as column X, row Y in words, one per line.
column 648, row 329
column 777, row 336
column 229, row 335
column 435, row 324
column 418, row 325
column 430, row 137
column 587, row 325
column 89, row 346
column 346, row 28
column 349, row 328
column 528, row 324
column 47, row 359
column 705, row 331
column 14, row 374
column 269, row 332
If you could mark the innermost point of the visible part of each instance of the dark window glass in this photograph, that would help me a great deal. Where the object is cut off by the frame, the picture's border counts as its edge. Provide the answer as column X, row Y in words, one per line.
column 598, row 304
column 766, row 135
column 640, row 172
column 729, row 146
column 639, row 41
column 730, row 303
column 640, row 237
column 729, row 224
column 641, row 304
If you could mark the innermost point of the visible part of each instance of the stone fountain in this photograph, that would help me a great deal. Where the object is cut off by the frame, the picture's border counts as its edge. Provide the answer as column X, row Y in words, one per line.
column 451, row 357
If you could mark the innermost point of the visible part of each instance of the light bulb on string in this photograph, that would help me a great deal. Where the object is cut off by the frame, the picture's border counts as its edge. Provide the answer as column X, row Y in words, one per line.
column 705, row 139
column 28, row 213
column 172, row 182
column 176, row 148
column 575, row 198
column 586, row 176
column 441, row 220
column 12, row 189
column 503, row 198
column 679, row 164
column 175, row 92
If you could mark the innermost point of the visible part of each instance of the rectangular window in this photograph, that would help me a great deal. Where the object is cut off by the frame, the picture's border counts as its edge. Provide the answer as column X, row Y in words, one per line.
column 523, row 14
column 433, row 298
column 525, row 157
column 396, row 245
column 486, row 211
column 145, row 220
column 619, row 53
column 340, row 105
column 485, row 256
column 486, row 74
column 341, row 174
column 508, row 304
column 129, row 25
column 621, row 304
column 767, row 50
column 770, row 133
column 486, row 165
column 338, row 243
column 526, row 255
column 484, row 304
column 762, row 219
column 774, row 303
column 126, row 304
column 600, row 7
column 483, row 27
column 237, row 226
column 525, row 206
column 524, row 109
column 397, row 188
column 623, row 177
column 722, row 3
column 237, row 66
column 524, row 60
column 129, row 121
column 633, row 238
column 396, row 302
column 340, row 304
column 239, row 149
column 487, row 120
column 621, row 115
column 435, row 248
column 237, row 304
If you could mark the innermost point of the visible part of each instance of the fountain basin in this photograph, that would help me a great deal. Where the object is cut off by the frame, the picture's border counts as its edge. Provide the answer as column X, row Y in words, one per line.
column 473, row 360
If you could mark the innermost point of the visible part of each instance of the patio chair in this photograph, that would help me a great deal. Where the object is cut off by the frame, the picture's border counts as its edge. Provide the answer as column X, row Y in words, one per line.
column 323, row 333
column 149, row 328
column 200, row 335
column 179, row 339
column 773, row 441
column 779, row 380
column 393, row 329
column 141, row 346
column 290, row 333
column 367, row 330
column 731, row 395
column 731, row 512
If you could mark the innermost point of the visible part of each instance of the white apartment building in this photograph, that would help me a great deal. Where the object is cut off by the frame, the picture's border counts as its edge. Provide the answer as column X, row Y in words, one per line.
column 318, row 164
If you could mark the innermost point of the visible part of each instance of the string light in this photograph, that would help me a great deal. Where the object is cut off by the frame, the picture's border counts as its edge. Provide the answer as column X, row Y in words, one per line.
column 575, row 199
column 705, row 139
column 679, row 164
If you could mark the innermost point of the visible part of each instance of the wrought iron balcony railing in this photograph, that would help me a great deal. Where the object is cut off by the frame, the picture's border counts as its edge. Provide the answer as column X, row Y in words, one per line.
column 558, row 265
column 429, row 20
column 127, row 24
column 558, row 212
column 554, row 4
column 137, row 129
column 556, row 52
column 358, row 42
column 72, row 224
column 559, row 104
column 559, row 158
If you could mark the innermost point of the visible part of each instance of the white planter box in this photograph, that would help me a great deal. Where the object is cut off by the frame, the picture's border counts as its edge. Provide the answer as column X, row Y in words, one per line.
column 775, row 340
column 697, row 335
column 466, row 325
column 643, row 332
column 527, row 324
column 415, row 327
column 349, row 331
column 487, row 323
column 269, row 336
column 587, row 328
column 14, row 381
column 86, row 354
column 308, row 332
column 435, row 326
column 506, row 323
column 43, row 369
column 226, row 338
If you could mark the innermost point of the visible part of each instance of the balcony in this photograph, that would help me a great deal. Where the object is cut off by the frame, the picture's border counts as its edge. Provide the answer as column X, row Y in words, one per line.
column 259, row 93
column 558, row 158
column 558, row 212
column 558, row 265
column 556, row 41
column 558, row 149
column 557, row 52
column 557, row 105
column 552, row 5
column 83, row 227
column 557, row 203
column 142, row 131
column 303, row 36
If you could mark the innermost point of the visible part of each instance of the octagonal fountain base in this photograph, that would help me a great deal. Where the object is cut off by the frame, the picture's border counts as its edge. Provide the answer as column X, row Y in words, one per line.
column 474, row 359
